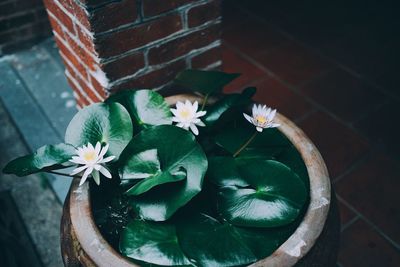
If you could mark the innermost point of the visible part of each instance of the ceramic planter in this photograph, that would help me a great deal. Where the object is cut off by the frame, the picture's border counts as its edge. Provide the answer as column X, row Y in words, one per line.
column 314, row 243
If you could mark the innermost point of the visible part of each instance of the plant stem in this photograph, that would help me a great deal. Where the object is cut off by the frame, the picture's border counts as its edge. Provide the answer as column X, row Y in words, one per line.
column 204, row 101
column 245, row 144
column 64, row 174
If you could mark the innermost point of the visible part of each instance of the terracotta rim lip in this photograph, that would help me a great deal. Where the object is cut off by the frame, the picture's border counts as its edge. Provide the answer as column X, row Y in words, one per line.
column 291, row 251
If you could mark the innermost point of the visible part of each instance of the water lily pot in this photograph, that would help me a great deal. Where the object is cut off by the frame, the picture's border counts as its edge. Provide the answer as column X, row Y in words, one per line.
column 313, row 243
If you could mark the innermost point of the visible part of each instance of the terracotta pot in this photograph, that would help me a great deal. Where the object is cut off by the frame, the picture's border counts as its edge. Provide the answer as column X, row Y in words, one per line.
column 314, row 243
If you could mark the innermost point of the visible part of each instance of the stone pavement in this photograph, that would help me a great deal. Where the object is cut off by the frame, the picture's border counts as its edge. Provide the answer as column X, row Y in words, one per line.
column 36, row 105
column 37, row 204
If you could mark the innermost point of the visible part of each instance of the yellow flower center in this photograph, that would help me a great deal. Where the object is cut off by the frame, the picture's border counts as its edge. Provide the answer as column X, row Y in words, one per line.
column 89, row 156
column 261, row 119
column 185, row 113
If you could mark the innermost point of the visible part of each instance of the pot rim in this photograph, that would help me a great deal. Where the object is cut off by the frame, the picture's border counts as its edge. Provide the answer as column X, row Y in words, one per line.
column 288, row 254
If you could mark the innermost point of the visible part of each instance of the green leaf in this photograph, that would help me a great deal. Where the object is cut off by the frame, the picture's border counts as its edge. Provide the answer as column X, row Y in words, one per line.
column 211, row 243
column 141, row 165
column 158, row 179
column 152, row 242
column 146, row 107
column 267, row 143
column 228, row 102
column 102, row 122
column 264, row 241
column 48, row 156
column 177, row 150
column 223, row 171
column 275, row 197
column 205, row 82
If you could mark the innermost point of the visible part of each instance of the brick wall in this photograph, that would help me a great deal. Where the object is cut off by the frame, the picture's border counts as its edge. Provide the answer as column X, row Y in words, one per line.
column 115, row 45
column 22, row 22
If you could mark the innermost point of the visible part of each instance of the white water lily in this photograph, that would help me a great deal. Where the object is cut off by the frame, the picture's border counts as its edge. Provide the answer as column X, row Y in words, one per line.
column 92, row 160
column 187, row 117
column 262, row 117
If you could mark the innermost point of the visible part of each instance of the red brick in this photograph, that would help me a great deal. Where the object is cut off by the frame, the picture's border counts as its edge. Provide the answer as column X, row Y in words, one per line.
column 71, row 58
column 198, row 15
column 156, row 7
column 124, row 66
column 125, row 40
column 56, row 27
column 16, row 21
column 98, row 87
column 82, row 100
column 153, row 79
column 206, row 58
column 113, row 15
column 76, row 10
column 183, row 45
column 81, row 52
column 60, row 15
column 86, row 40
column 92, row 3
column 84, row 85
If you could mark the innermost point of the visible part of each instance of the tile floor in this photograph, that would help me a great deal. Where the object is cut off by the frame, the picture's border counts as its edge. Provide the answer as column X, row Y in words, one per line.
column 330, row 67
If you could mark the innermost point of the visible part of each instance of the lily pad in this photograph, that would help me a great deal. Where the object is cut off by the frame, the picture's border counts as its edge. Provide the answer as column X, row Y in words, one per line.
column 211, row 243
column 275, row 197
column 146, row 107
column 179, row 156
column 105, row 123
column 223, row 171
column 152, row 242
column 228, row 102
column 46, row 157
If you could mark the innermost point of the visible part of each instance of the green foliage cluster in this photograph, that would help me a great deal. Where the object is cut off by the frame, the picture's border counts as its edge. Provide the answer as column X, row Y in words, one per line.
column 192, row 202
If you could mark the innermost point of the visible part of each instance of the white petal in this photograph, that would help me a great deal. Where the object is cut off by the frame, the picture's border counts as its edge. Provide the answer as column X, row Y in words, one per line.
column 175, row 112
column 201, row 113
column 77, row 160
column 274, row 125
column 90, row 146
column 195, row 106
column 85, row 175
column 105, row 172
column 97, row 148
column 250, row 119
column 110, row 158
column 259, row 129
column 104, row 151
column 271, row 115
column 254, row 110
column 175, row 119
column 188, row 104
column 194, row 129
column 97, row 167
column 180, row 124
column 200, row 123
column 78, row 170
column 179, row 105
